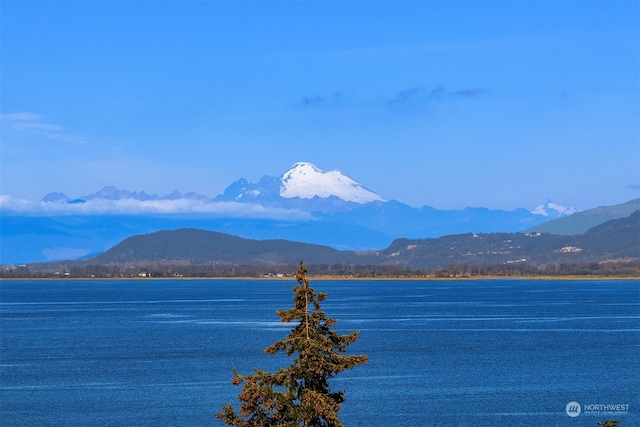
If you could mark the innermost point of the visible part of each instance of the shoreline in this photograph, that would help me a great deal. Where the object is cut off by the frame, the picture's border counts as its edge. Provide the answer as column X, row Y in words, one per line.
column 333, row 278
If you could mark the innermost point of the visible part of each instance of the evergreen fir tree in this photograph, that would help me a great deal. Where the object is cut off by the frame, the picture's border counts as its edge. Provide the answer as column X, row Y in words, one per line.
column 298, row 395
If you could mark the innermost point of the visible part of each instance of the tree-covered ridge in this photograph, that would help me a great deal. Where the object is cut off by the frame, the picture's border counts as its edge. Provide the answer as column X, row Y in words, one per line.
column 206, row 247
column 298, row 395
column 616, row 239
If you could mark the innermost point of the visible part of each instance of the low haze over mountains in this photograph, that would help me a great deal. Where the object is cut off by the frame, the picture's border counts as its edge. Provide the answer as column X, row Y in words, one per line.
column 304, row 204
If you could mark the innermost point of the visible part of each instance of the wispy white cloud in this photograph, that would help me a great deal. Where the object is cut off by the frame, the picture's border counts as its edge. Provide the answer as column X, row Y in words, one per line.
column 20, row 117
column 9, row 204
column 36, row 124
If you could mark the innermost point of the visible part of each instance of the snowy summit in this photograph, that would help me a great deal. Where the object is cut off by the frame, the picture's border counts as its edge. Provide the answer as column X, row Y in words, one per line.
column 305, row 180
column 553, row 210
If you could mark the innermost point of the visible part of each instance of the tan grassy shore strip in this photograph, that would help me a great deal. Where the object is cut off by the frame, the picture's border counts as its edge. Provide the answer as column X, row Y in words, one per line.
column 341, row 278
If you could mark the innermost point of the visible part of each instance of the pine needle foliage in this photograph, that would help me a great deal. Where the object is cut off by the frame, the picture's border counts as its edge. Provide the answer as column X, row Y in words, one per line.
column 298, row 395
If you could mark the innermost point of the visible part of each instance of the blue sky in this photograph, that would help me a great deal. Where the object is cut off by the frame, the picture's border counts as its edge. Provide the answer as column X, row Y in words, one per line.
column 450, row 104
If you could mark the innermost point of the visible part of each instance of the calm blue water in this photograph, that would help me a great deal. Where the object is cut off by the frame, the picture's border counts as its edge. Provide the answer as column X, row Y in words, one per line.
column 459, row 353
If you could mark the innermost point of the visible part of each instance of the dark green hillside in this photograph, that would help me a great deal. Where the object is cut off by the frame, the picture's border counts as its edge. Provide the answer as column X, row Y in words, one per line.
column 193, row 246
column 618, row 238
column 614, row 239
column 470, row 249
column 581, row 222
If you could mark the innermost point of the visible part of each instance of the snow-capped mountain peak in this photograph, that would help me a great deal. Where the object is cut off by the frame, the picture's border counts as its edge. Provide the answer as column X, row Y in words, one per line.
column 553, row 210
column 306, row 181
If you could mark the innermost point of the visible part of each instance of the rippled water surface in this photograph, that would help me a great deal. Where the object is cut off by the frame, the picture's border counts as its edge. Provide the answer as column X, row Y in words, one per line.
column 459, row 353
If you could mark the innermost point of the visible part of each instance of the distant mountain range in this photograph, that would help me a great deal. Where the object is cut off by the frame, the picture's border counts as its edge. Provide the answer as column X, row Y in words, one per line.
column 580, row 222
column 613, row 240
column 303, row 186
column 304, row 204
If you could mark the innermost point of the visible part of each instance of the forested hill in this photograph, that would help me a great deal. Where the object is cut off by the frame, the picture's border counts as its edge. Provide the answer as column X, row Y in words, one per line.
column 616, row 239
column 613, row 240
column 192, row 246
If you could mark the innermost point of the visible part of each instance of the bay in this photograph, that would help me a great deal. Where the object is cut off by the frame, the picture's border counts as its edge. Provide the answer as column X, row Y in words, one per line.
column 462, row 353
